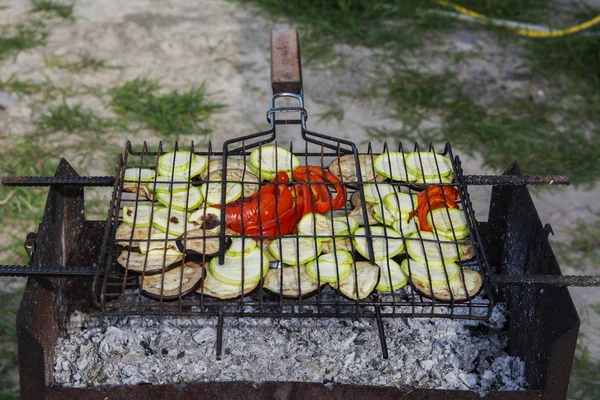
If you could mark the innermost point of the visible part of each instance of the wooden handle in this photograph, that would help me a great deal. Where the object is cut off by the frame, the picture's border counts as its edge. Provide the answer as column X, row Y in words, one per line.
column 286, row 71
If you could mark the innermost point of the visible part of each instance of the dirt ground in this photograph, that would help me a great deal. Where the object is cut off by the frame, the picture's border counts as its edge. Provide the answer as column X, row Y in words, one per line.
column 219, row 42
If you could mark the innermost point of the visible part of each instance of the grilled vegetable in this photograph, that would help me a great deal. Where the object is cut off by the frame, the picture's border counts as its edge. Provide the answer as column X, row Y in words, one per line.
column 139, row 175
column 139, row 216
column 180, row 281
column 355, row 199
column 157, row 241
column 141, row 188
column 173, row 221
column 208, row 218
column 344, row 168
column 433, row 198
column 393, row 165
column 181, row 201
column 384, row 215
column 219, row 290
column 323, row 202
column 445, row 226
column 367, row 274
column 253, row 266
column 196, row 168
column 164, row 184
column 405, row 228
column 430, row 251
column 357, row 213
column 341, row 243
column 428, row 165
column 293, row 250
column 199, row 241
column 266, row 161
column 291, row 286
column 403, row 203
column 177, row 161
column 392, row 277
column 241, row 246
column 473, row 283
column 326, row 269
column 420, row 272
column 387, row 243
column 319, row 225
column 348, row 220
column 155, row 261
column 467, row 251
column 236, row 175
column 211, row 192
column 375, row 193
column 123, row 234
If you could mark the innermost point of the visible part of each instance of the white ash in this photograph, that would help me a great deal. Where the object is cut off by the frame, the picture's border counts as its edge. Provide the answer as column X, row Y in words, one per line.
column 423, row 353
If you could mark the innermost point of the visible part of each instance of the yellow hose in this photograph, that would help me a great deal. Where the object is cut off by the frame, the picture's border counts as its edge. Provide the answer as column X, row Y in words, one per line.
column 525, row 31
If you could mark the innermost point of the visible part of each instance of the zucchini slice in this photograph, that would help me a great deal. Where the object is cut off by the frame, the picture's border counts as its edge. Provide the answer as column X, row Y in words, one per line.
column 392, row 165
column 184, row 279
column 375, row 193
column 139, row 175
column 155, row 261
column 395, row 274
column 208, row 218
column 157, row 241
column 431, row 252
column 472, row 285
column 163, row 184
column 385, row 216
column 214, row 288
column 338, row 256
column 284, row 282
column 241, row 246
column 236, row 175
column 344, row 168
column 313, row 224
column 199, row 241
column 367, row 274
column 211, row 192
column 417, row 271
column 357, row 213
column 138, row 217
column 254, row 264
column 387, row 243
column 328, row 271
column 172, row 220
column 177, row 161
column 182, row 201
column 266, row 161
column 341, row 243
column 196, row 169
column 403, row 203
column 406, row 228
column 457, row 221
column 295, row 250
column 350, row 221
column 425, row 164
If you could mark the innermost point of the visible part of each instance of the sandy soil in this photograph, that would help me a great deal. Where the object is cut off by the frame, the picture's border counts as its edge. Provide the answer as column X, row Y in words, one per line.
column 184, row 44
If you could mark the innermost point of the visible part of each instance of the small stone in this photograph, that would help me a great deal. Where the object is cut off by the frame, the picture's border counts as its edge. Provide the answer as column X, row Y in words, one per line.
column 426, row 364
column 204, row 335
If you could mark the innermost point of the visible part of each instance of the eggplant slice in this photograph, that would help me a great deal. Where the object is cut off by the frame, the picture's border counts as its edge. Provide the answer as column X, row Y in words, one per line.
column 157, row 261
column 355, row 199
column 290, row 287
column 468, row 250
column 216, row 164
column 200, row 241
column 169, row 287
column 345, row 169
column 358, row 214
column 142, row 189
column 341, row 243
column 123, row 235
column 368, row 277
column 473, row 282
column 219, row 290
column 251, row 181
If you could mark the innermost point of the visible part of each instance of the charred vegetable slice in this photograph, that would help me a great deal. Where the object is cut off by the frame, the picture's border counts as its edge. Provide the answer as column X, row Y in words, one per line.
column 153, row 262
column 428, row 165
column 214, row 288
column 375, row 193
column 387, row 243
column 341, row 243
column 177, row 161
column 180, row 281
column 291, row 286
column 236, row 175
column 211, row 192
column 324, row 269
column 124, row 231
column 430, row 251
column 216, row 164
column 208, row 218
column 139, row 174
column 355, row 199
column 294, row 250
column 266, row 161
column 459, row 288
column 199, row 241
column 141, row 188
column 393, row 165
column 157, row 241
column 420, row 272
column 173, row 221
column 391, row 272
column 139, row 216
column 344, row 168
column 367, row 274
column 357, row 213
column 254, row 266
column 186, row 200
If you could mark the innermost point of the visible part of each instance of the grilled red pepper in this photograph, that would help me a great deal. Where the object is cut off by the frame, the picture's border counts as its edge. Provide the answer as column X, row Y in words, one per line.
column 287, row 222
column 431, row 199
column 320, row 193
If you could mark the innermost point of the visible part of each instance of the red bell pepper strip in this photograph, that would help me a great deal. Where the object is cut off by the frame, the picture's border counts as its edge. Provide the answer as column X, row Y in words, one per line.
column 287, row 222
column 434, row 204
column 322, row 196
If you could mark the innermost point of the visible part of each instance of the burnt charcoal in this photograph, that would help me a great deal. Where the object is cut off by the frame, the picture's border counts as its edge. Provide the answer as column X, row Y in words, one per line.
column 181, row 355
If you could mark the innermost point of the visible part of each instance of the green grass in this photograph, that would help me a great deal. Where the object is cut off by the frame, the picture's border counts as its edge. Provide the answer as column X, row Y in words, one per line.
column 14, row 39
column 58, row 8
column 170, row 114
column 585, row 377
column 72, row 119
column 8, row 351
column 85, row 63
column 584, row 246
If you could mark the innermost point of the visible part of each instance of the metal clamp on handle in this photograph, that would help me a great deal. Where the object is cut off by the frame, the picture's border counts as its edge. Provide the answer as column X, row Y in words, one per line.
column 286, row 69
